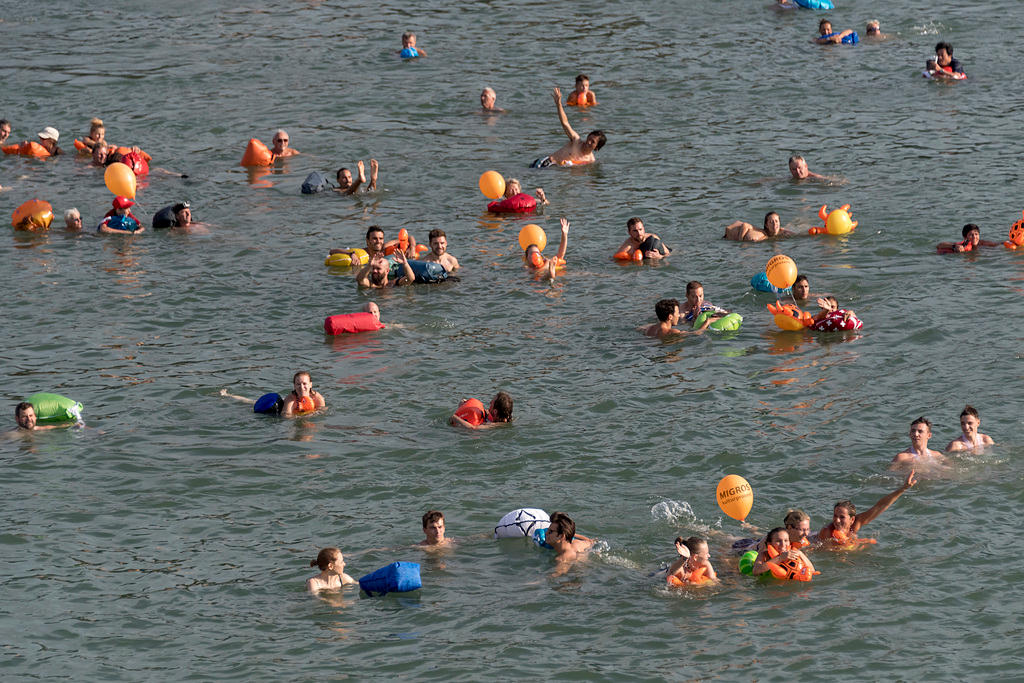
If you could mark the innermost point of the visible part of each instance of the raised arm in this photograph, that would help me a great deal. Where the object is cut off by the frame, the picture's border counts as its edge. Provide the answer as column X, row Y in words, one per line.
column 883, row 504
column 556, row 94
column 363, row 275
column 562, row 245
column 360, row 179
column 374, row 169
column 407, row 272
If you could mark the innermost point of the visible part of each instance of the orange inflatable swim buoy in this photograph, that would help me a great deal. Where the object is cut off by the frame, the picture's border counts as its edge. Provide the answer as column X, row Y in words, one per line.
column 80, row 146
column 790, row 570
column 35, row 214
column 27, row 149
column 257, row 154
column 790, row 318
column 472, row 410
column 589, row 101
column 304, row 405
column 696, row 577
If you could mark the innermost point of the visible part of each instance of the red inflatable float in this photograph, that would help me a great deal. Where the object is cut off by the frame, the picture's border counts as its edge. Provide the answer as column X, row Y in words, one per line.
column 257, row 154
column 517, row 203
column 834, row 322
column 472, row 410
column 350, row 323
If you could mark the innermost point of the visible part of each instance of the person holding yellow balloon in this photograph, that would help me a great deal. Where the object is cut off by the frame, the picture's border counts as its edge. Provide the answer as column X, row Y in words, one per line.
column 575, row 152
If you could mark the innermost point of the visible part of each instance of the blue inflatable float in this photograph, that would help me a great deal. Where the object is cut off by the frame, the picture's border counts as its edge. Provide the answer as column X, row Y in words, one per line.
column 426, row 272
column 269, row 404
column 760, row 283
column 816, row 4
column 397, row 577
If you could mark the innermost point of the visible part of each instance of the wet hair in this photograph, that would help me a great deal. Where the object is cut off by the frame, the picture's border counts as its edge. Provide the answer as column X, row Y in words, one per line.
column 694, row 542
column 775, row 532
column 771, row 213
column 794, row 517
column 633, row 221
column 436, row 232
column 407, row 35
column 796, row 157
column 848, row 505
column 873, row 25
column 664, row 308
column 563, row 526
column 821, row 24
column 299, row 374
column 325, row 557
column 967, row 228
column 491, row 90
column 943, row 45
column 372, row 229
column 601, row 139
column 582, row 77
column 969, row 411
column 337, row 174
column 432, row 516
column 113, row 158
column 502, row 407
column 922, row 421
column 22, row 407
column 800, row 278
column 692, row 285
column 4, row 122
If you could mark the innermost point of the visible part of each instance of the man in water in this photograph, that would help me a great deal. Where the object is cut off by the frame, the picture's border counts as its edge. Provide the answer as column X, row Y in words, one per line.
column 488, row 98
column 577, row 150
column 745, row 232
column 433, row 529
column 374, row 243
column 347, row 186
column 25, row 416
column 972, row 240
column 918, row 453
column 668, row 314
column 569, row 547
column 439, row 250
column 375, row 274
column 5, row 130
column 281, row 148
column 944, row 58
column 798, row 169
column 695, row 304
column 649, row 244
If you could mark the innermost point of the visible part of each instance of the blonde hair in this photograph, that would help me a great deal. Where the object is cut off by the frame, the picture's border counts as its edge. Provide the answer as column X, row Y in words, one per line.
column 96, row 123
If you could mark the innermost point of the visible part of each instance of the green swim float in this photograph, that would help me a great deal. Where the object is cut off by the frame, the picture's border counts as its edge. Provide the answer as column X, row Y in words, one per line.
column 55, row 408
column 727, row 323
column 747, row 562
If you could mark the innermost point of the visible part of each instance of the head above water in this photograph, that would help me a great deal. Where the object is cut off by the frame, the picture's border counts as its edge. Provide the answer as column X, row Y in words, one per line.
column 501, row 407
column 25, row 415
column 488, row 98
column 595, row 140
column 798, row 167
column 801, row 287
column 772, row 223
column 666, row 309
column 562, row 526
column 328, row 556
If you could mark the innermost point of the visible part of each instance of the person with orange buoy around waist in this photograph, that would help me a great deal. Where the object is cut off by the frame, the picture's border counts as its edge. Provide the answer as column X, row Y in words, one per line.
column 534, row 241
column 303, row 398
column 578, row 150
column 97, row 135
column 471, row 413
column 641, row 244
column 119, row 220
column 846, row 523
column 783, row 560
column 693, row 567
column 582, row 95
column 46, row 147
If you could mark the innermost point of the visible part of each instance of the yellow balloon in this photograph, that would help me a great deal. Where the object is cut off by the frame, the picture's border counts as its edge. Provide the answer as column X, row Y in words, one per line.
column 839, row 223
column 120, row 179
column 781, row 271
column 532, row 234
column 735, row 496
column 492, row 184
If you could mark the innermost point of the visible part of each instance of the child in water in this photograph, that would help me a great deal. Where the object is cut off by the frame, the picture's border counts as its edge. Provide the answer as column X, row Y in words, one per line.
column 332, row 574
column 96, row 136
column 694, row 565
column 536, row 261
column 409, row 49
column 303, row 399
column 971, row 439
column 582, row 95
column 780, row 557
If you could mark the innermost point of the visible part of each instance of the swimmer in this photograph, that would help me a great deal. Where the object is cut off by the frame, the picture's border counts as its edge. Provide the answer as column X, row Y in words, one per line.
column 514, row 187
column 73, row 219
column 918, row 454
column 781, row 552
column 693, row 557
column 649, row 244
column 846, row 522
column 933, row 70
column 376, row 273
column 303, row 393
column 374, row 243
column 970, row 439
column 569, row 546
column 5, row 130
column 347, row 186
column 577, row 150
column 944, row 58
column 439, row 250
column 798, row 169
column 48, row 138
column 499, row 412
column 797, row 524
column 582, row 95
column 829, row 305
column 972, row 240
column 433, row 529
column 100, row 152
column 409, row 49
column 488, row 98
column 801, row 288
column 739, row 231
column 873, row 30
column 25, row 416
column 182, row 215
column 828, row 37
column 120, row 220
column 281, row 148
column 668, row 314
column 536, row 260
column 96, row 136
column 695, row 304
column 332, row 574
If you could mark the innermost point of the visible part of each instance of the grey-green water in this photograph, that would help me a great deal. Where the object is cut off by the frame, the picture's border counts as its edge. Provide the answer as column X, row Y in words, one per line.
column 171, row 538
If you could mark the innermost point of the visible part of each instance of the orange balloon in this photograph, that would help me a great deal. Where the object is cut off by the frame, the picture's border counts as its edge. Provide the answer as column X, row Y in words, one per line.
column 35, row 214
column 735, row 496
column 492, row 184
column 781, row 271
column 120, row 179
column 1017, row 232
column 532, row 234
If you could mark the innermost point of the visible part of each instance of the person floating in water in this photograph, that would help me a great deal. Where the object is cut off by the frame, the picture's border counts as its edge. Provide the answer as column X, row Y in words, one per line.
column 780, row 553
column 471, row 413
column 798, row 169
column 439, row 250
column 582, row 95
column 917, row 454
column 829, row 37
column 433, row 530
column 346, row 185
column 569, row 546
column 668, row 313
column 647, row 243
column 25, row 416
column 303, row 398
column 694, row 563
column 972, row 240
column 846, row 523
column 281, row 148
column 488, row 102
column 739, row 231
column 970, row 439
column 332, row 574
column 535, row 259
column 575, row 152
column 695, row 304
column 409, row 49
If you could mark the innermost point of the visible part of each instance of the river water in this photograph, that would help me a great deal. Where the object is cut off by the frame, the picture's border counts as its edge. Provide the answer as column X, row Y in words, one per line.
column 170, row 539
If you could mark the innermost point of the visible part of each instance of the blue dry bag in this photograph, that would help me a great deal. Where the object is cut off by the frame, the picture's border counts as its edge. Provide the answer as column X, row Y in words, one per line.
column 397, row 577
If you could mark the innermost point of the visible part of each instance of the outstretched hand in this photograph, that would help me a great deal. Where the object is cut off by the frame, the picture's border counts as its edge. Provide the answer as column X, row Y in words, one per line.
column 556, row 95
column 565, row 225
column 911, row 480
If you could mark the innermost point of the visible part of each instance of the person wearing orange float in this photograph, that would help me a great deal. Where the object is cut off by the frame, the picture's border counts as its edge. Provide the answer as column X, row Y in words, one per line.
column 917, row 454
column 970, row 439
column 536, row 261
column 5, row 130
column 471, row 413
column 783, row 560
column 281, row 148
column 846, row 523
column 694, row 564
column 46, row 147
column 641, row 244
column 97, row 135
column 972, row 240
column 303, row 398
column 582, row 95
column 578, row 150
